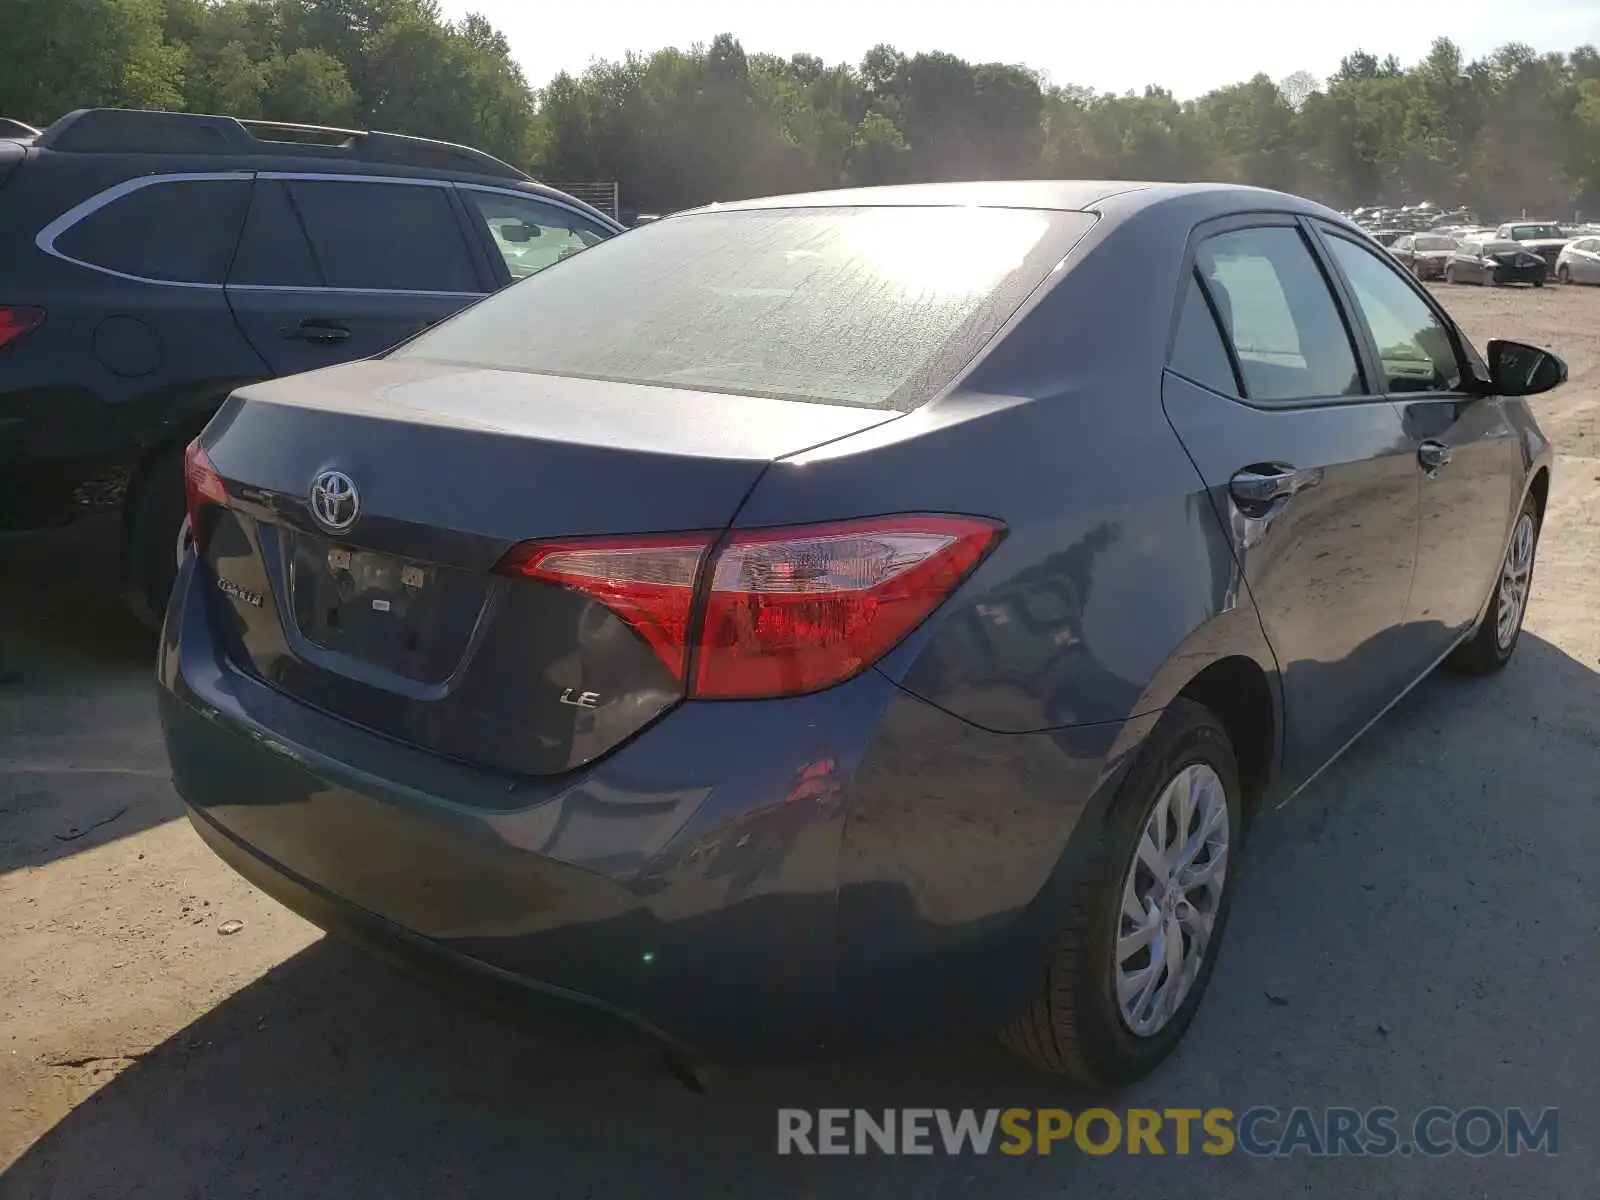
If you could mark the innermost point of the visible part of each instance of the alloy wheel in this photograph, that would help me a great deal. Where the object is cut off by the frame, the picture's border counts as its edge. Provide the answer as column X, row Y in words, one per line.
column 1170, row 899
column 1515, row 577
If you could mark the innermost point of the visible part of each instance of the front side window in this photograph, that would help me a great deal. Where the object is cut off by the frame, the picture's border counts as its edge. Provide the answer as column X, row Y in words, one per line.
column 1413, row 344
column 175, row 231
column 874, row 307
column 384, row 236
column 1275, row 303
column 530, row 235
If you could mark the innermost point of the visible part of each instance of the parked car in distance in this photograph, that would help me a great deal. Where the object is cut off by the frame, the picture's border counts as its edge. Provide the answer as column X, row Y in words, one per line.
column 1580, row 261
column 1488, row 259
column 156, row 261
column 1424, row 254
column 1386, row 237
column 1543, row 238
column 13, row 129
column 635, row 648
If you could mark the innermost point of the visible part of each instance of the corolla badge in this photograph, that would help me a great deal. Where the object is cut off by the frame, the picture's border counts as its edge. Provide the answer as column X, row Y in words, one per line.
column 334, row 501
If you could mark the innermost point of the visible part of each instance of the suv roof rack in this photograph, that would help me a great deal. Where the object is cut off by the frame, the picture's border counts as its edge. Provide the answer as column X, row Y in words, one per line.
column 138, row 131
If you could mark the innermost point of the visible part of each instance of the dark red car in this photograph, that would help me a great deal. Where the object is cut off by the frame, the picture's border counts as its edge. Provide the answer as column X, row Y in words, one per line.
column 1424, row 254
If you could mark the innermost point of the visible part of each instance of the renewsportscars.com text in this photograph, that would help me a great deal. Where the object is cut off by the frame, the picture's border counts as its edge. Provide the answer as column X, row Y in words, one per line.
column 1262, row 1131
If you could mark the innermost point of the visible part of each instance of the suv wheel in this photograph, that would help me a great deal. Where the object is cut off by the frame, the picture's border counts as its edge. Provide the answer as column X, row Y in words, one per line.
column 1142, row 934
column 150, row 529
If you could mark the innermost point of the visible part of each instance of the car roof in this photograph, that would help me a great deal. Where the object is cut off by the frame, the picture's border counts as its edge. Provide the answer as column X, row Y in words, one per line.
column 1106, row 196
column 132, row 142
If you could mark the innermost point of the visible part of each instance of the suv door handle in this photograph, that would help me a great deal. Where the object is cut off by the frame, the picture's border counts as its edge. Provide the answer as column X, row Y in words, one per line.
column 1433, row 455
column 321, row 331
column 1260, row 485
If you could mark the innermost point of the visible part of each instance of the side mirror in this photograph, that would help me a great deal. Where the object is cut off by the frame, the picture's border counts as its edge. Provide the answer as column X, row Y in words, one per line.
column 1517, row 369
column 520, row 231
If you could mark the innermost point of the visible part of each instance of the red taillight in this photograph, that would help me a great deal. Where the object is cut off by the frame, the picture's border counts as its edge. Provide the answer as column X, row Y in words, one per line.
column 17, row 321
column 648, row 582
column 786, row 611
column 795, row 610
column 203, row 487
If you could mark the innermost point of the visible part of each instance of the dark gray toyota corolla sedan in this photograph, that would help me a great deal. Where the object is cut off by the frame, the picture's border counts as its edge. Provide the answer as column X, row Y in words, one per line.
column 819, row 621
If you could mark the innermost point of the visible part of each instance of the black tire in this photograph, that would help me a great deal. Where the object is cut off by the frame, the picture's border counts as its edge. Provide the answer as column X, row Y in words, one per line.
column 154, row 514
column 1563, row 274
column 1538, row 283
column 1074, row 1027
column 1483, row 653
column 1449, row 274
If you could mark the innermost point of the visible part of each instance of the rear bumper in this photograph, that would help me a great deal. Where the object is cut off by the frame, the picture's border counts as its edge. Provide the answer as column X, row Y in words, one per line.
column 740, row 879
column 1530, row 274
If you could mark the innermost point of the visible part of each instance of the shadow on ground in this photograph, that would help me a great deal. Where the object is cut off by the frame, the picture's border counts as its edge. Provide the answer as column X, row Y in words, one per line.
column 1398, row 939
column 80, row 756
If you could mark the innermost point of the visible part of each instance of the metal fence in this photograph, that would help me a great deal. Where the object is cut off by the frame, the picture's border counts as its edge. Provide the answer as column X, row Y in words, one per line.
column 607, row 197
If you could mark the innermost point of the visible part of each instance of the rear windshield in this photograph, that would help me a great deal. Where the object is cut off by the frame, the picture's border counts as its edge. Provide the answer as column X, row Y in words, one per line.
column 871, row 307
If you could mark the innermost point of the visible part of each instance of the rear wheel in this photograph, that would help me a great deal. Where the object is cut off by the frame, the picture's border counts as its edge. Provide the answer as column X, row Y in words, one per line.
column 1142, row 933
column 1491, row 647
column 154, row 515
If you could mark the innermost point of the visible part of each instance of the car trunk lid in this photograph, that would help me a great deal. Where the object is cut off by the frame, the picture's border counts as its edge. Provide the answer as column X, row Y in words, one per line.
column 368, row 506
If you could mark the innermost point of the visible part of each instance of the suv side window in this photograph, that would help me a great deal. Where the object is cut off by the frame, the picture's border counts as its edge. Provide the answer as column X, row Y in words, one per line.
column 1413, row 344
column 1198, row 352
column 1288, row 336
column 529, row 235
column 385, row 236
column 177, row 231
column 273, row 250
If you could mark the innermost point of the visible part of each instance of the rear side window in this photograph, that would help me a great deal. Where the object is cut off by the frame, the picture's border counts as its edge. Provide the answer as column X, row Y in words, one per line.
column 273, row 249
column 1198, row 352
column 178, row 231
column 385, row 236
column 1286, row 329
column 530, row 235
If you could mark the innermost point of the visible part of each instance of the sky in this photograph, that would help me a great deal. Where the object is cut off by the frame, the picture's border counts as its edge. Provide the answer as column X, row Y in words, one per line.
column 1188, row 46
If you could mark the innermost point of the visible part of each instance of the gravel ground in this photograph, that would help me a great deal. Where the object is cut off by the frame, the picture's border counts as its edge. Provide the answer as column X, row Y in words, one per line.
column 1418, row 928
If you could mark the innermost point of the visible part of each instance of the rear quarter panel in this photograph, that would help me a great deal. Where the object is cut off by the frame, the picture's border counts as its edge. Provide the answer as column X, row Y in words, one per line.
column 1115, row 583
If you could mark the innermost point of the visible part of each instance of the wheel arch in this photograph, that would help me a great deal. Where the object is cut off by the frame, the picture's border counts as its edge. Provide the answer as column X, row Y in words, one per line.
column 1539, row 489
column 1237, row 690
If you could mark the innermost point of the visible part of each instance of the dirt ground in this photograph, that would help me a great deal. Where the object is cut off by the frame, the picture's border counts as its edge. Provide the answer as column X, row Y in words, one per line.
column 1418, row 928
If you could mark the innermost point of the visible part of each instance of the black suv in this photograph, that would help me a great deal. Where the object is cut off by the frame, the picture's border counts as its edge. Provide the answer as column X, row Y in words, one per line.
column 151, row 262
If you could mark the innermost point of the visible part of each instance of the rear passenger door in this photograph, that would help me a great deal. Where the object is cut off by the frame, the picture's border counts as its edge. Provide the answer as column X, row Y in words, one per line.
column 1584, row 261
column 334, row 268
column 1309, row 468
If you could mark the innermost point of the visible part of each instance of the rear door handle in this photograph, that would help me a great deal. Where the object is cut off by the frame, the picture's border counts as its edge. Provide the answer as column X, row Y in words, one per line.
column 1433, row 455
column 1259, row 486
column 322, row 331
